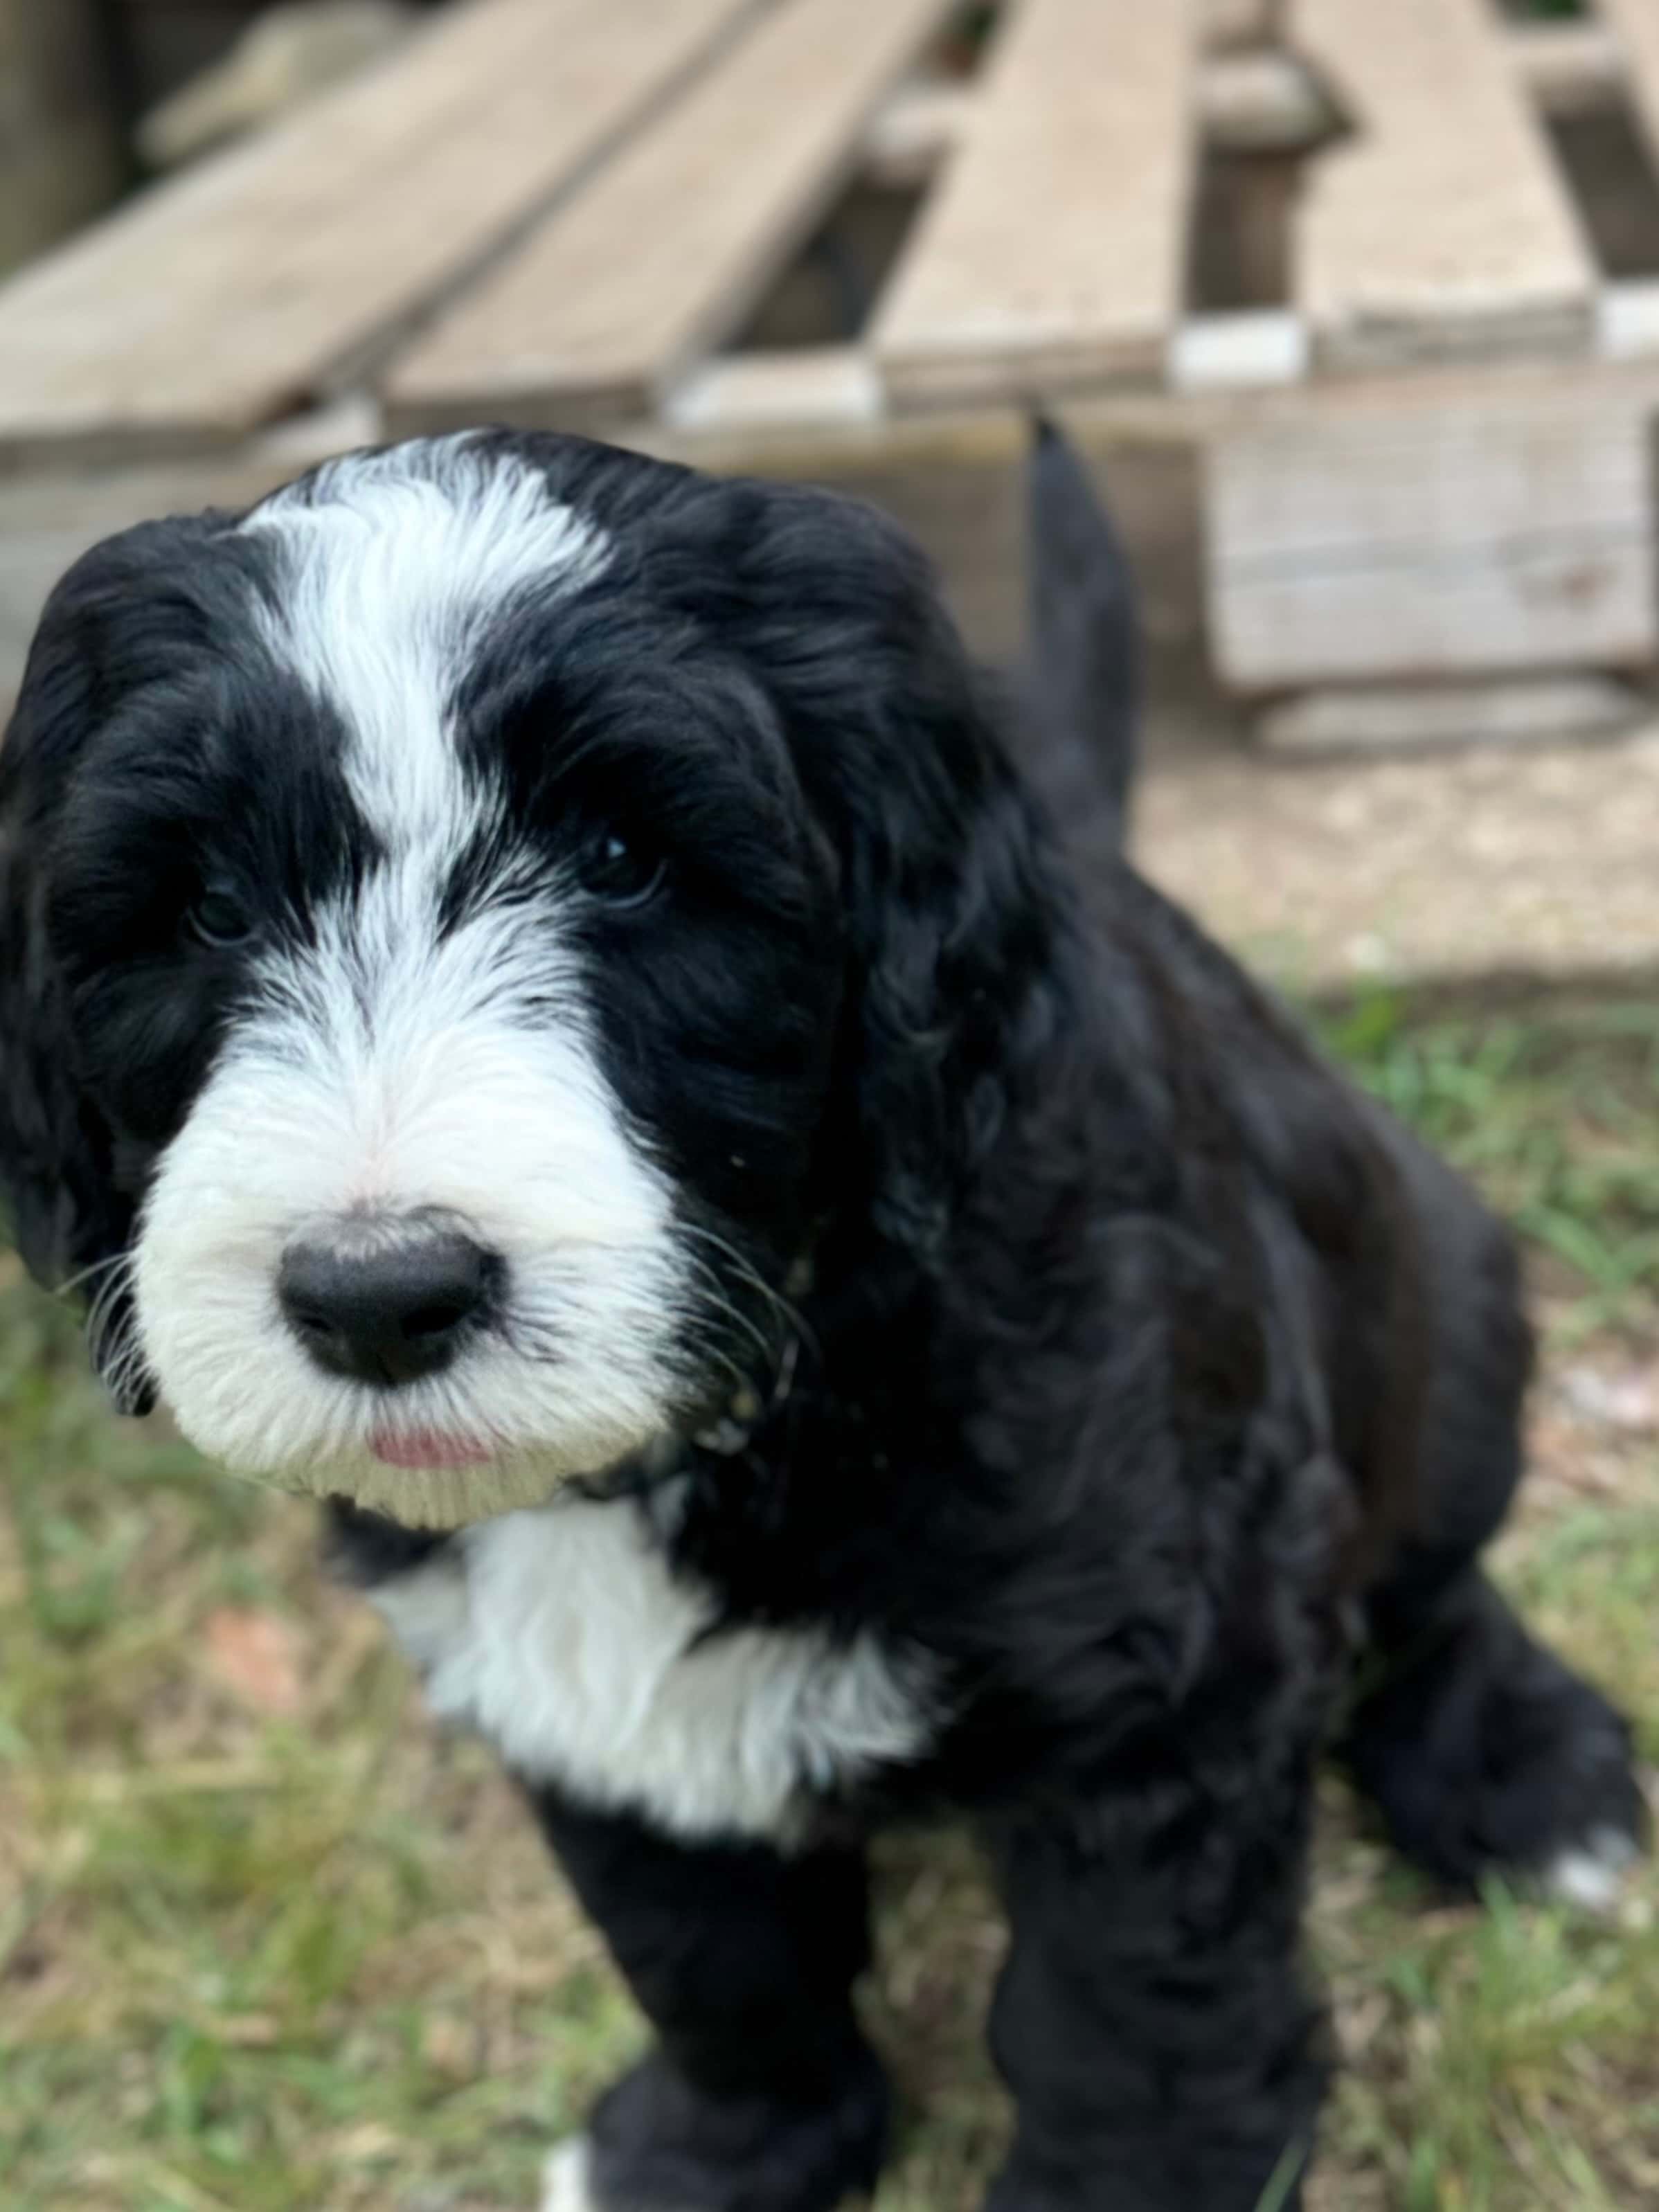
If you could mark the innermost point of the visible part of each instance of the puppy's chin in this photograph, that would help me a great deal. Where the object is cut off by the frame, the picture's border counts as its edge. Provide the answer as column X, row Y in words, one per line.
column 434, row 1496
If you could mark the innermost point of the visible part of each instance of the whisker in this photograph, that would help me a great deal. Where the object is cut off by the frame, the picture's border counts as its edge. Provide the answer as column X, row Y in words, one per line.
column 85, row 1274
column 723, row 1306
column 103, row 1311
column 750, row 1275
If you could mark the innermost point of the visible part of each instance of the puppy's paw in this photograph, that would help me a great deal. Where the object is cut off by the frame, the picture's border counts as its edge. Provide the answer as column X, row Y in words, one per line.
column 564, row 2178
column 657, row 2144
column 1489, row 1755
column 1558, row 1806
column 568, row 2181
column 1591, row 1874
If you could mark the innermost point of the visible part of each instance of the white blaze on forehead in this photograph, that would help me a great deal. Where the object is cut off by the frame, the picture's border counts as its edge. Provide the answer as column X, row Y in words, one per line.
column 394, row 567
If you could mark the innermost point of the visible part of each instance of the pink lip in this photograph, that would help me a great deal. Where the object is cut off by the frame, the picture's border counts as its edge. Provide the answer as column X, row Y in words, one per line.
column 417, row 1448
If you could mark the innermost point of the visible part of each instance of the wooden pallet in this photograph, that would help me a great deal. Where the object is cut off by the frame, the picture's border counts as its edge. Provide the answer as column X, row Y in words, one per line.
column 1427, row 459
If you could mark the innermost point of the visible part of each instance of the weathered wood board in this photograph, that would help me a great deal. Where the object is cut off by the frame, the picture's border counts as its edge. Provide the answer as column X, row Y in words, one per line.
column 810, row 385
column 603, row 311
column 1567, row 66
column 215, row 302
column 1052, row 251
column 1486, row 533
column 564, row 211
column 1440, row 230
column 1389, row 718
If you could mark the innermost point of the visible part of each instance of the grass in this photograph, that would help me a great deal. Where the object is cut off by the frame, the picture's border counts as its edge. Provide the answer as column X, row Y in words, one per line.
column 267, row 1940
column 1554, row 1118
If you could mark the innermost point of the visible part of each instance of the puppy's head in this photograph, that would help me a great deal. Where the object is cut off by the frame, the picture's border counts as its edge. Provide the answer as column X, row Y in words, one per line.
column 467, row 922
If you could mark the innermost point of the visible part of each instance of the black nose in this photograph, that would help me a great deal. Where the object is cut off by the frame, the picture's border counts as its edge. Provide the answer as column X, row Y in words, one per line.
column 391, row 1311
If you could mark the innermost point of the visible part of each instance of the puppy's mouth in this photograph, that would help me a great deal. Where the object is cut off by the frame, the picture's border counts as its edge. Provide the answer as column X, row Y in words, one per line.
column 427, row 1447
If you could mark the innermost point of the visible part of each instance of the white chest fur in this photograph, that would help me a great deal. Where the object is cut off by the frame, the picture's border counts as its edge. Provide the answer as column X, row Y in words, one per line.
column 562, row 1636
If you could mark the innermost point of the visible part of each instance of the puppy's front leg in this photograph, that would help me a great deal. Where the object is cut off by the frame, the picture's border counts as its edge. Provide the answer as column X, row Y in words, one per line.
column 761, row 2093
column 1150, row 2021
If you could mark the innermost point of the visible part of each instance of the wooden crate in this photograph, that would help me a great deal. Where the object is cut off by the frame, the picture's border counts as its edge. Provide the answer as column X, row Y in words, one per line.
column 1426, row 458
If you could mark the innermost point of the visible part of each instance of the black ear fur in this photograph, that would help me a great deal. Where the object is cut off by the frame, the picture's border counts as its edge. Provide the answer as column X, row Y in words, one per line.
column 71, row 1222
column 956, row 911
column 71, row 1209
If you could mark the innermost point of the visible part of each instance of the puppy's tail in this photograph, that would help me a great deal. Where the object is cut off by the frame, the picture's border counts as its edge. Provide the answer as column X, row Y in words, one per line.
column 1081, row 688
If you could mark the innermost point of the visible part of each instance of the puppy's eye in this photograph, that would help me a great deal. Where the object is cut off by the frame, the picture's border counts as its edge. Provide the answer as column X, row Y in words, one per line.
column 621, row 874
column 217, row 919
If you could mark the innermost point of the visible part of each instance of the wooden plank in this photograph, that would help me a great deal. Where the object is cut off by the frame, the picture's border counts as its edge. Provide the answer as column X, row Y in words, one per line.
column 955, row 485
column 1442, row 230
column 1566, row 67
column 1250, row 347
column 1509, row 529
column 1265, row 98
column 1052, row 252
column 1627, row 319
column 1413, row 717
column 215, row 301
column 1263, row 101
column 666, row 251
column 800, row 385
column 1252, row 102
column 913, row 132
column 1256, row 99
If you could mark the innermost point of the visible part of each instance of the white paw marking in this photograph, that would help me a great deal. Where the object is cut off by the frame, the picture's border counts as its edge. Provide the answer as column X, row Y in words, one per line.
column 564, row 2178
column 565, row 2185
column 1590, row 1875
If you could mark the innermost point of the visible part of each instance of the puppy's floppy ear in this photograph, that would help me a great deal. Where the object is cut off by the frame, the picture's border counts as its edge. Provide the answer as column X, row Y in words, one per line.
column 956, row 912
column 67, row 1208
column 69, row 1221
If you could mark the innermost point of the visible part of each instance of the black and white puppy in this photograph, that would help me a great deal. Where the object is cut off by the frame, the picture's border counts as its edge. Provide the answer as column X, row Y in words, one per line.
column 538, row 1003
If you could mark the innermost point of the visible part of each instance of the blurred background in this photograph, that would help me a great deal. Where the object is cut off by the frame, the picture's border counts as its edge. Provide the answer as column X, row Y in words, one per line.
column 1354, row 305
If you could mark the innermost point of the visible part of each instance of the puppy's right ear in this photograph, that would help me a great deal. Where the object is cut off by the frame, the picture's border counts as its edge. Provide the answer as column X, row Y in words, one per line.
column 70, row 1222
column 54, row 1154
column 66, row 1208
